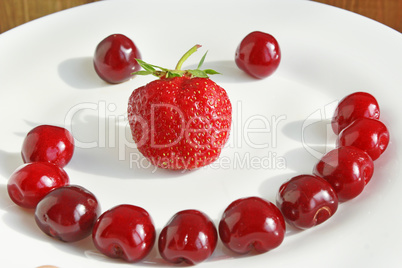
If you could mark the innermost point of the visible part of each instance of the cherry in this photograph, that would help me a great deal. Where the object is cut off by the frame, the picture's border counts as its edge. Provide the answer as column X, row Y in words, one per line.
column 190, row 236
column 115, row 58
column 67, row 213
column 306, row 201
column 46, row 143
column 370, row 135
column 31, row 182
column 125, row 232
column 352, row 107
column 258, row 54
column 252, row 222
column 347, row 169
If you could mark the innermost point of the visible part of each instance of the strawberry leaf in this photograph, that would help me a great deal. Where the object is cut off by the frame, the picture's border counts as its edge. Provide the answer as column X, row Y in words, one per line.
column 202, row 61
column 173, row 74
column 177, row 72
column 146, row 66
column 210, row 71
column 142, row 73
column 198, row 73
column 161, row 68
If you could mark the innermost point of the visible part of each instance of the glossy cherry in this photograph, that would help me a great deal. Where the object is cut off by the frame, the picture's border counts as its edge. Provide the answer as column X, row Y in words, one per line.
column 31, row 182
column 190, row 236
column 348, row 169
column 258, row 54
column 306, row 201
column 370, row 135
column 46, row 143
column 252, row 223
column 125, row 232
column 67, row 213
column 115, row 58
column 354, row 106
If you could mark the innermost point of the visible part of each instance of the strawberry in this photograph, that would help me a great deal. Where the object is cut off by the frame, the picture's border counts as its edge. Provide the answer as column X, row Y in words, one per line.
column 181, row 120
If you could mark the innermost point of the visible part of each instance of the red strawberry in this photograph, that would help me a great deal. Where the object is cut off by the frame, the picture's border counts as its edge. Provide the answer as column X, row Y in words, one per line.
column 182, row 120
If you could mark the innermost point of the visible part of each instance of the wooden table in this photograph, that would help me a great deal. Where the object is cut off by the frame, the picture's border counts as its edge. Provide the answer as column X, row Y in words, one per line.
column 388, row 12
column 16, row 12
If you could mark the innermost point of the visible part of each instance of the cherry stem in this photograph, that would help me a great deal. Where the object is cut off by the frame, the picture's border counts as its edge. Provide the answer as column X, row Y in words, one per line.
column 185, row 56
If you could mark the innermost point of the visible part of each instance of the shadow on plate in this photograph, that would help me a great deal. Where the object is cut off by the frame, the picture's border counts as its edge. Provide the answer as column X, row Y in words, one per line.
column 79, row 73
column 302, row 160
column 316, row 139
column 269, row 187
column 229, row 72
column 109, row 151
column 19, row 219
column 317, row 131
column 9, row 163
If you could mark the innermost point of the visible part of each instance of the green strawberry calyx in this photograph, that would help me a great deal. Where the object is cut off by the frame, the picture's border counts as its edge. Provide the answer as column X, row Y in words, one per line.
column 177, row 72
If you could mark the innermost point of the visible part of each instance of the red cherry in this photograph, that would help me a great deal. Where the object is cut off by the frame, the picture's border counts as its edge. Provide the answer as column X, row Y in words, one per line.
column 189, row 236
column 306, row 201
column 47, row 143
column 352, row 107
column 258, row 54
column 115, row 58
column 252, row 222
column 347, row 169
column 125, row 232
column 31, row 182
column 67, row 213
column 370, row 135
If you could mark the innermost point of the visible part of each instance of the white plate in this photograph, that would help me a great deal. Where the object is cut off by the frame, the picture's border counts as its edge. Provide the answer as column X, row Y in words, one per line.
column 280, row 124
